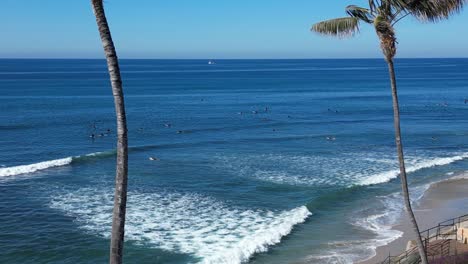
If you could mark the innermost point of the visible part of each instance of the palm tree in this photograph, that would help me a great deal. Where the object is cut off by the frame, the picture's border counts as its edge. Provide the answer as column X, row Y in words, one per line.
column 120, row 196
column 383, row 15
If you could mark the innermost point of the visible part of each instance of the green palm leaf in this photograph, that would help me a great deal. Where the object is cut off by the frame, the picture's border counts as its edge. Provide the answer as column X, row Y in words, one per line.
column 363, row 14
column 341, row 27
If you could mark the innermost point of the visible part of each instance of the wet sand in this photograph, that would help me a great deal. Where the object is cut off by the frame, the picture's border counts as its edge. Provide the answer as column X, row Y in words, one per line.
column 442, row 201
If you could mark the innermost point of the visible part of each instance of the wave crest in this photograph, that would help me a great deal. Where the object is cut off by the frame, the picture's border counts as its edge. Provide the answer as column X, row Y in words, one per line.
column 23, row 169
column 31, row 168
column 423, row 164
column 343, row 169
column 210, row 230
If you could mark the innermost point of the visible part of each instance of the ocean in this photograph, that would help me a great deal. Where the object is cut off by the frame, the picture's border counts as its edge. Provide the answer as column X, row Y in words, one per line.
column 259, row 161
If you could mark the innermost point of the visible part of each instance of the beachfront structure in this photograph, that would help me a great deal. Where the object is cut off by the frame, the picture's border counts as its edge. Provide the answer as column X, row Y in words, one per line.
column 445, row 243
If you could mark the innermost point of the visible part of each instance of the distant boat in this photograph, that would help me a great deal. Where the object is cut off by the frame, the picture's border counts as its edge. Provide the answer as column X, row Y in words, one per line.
column 210, row 62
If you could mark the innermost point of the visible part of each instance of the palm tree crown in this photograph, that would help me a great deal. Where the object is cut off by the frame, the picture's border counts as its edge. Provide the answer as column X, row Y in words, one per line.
column 383, row 15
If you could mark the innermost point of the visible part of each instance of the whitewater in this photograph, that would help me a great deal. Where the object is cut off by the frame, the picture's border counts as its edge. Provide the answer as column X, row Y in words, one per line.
column 186, row 223
column 31, row 168
column 258, row 161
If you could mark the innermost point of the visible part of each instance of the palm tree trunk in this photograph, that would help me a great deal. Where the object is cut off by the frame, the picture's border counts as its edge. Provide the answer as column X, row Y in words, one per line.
column 404, row 183
column 120, row 196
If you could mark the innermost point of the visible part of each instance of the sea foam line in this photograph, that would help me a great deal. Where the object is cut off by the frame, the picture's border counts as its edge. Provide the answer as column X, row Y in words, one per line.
column 389, row 175
column 260, row 240
column 380, row 221
column 30, row 168
column 210, row 230
column 23, row 169
column 344, row 169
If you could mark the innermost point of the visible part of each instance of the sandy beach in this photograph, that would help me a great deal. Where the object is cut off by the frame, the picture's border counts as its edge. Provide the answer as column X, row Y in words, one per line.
column 442, row 201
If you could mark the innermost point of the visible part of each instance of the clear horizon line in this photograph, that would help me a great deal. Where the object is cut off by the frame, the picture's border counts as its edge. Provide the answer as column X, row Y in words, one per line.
column 130, row 58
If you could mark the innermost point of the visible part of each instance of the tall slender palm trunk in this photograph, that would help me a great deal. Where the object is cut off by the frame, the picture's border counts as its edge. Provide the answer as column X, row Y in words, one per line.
column 120, row 196
column 399, row 144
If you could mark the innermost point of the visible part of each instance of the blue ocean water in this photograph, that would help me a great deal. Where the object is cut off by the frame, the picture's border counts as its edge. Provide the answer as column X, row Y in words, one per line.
column 260, row 161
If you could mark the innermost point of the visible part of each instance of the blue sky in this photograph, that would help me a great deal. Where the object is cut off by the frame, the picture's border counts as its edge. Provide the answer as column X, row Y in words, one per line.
column 209, row 29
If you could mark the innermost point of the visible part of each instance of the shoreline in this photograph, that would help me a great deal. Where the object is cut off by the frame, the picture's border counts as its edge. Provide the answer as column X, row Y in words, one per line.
column 442, row 200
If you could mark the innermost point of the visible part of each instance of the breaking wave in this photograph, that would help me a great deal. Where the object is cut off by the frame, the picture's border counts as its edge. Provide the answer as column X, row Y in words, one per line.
column 345, row 170
column 210, row 230
column 24, row 169
column 421, row 164
column 31, row 168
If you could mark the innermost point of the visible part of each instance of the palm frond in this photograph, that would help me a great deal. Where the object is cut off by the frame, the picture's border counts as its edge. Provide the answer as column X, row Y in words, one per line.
column 372, row 6
column 380, row 5
column 398, row 5
column 434, row 10
column 363, row 14
column 340, row 27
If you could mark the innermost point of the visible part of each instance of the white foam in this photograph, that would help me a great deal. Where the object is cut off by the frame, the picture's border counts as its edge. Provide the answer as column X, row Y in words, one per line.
column 338, row 170
column 23, row 169
column 210, row 230
column 460, row 177
column 421, row 164
column 343, row 169
column 30, row 168
column 379, row 219
column 352, row 251
column 94, row 154
column 382, row 224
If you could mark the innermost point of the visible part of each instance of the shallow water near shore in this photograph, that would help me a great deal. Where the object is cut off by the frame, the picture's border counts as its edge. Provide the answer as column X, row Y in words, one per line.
column 259, row 161
column 441, row 201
